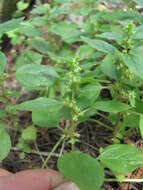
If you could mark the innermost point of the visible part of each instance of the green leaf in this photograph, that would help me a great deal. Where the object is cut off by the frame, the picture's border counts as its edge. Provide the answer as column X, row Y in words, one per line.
column 111, row 36
column 121, row 158
column 121, row 15
column 139, row 106
column 88, row 95
column 50, row 119
column 69, row 32
column 46, row 112
column 41, row 9
column 29, row 30
column 82, row 169
column 108, row 67
column 21, row 6
column 46, row 119
column 10, row 25
column 40, row 104
column 112, row 106
column 100, row 45
column 134, row 61
column 39, row 44
column 138, row 33
column 3, row 114
column 131, row 121
column 2, row 62
column 29, row 134
column 85, row 52
column 34, row 76
column 5, row 144
column 28, row 57
column 141, row 125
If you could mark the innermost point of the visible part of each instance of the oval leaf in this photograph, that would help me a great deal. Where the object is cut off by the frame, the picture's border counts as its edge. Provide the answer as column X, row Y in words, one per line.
column 111, row 106
column 5, row 144
column 46, row 112
column 82, row 169
column 88, row 95
column 121, row 158
column 100, row 45
column 68, row 32
column 33, row 77
column 134, row 61
column 40, row 104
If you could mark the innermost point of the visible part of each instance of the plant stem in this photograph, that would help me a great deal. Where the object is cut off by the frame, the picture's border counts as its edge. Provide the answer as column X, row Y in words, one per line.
column 44, row 154
column 2, row 90
column 63, row 146
column 52, row 151
column 117, row 124
column 73, row 122
column 36, row 146
column 102, row 115
column 126, row 180
column 102, row 124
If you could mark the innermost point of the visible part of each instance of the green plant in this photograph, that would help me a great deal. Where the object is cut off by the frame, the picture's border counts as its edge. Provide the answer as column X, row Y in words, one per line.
column 100, row 51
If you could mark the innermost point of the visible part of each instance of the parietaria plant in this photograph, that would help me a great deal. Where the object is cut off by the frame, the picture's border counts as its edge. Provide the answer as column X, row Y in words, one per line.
column 72, row 52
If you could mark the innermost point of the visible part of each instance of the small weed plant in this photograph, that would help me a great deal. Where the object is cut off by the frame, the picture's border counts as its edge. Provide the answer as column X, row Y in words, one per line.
column 72, row 53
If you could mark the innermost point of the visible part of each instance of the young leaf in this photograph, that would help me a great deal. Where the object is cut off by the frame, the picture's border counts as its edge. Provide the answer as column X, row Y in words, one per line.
column 121, row 158
column 5, row 143
column 2, row 62
column 21, row 5
column 141, row 125
column 29, row 134
column 112, row 106
column 100, row 45
column 10, row 25
column 82, row 169
column 33, row 77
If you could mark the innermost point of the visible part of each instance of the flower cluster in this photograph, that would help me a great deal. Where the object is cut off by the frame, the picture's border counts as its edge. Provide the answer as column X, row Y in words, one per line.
column 129, row 31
